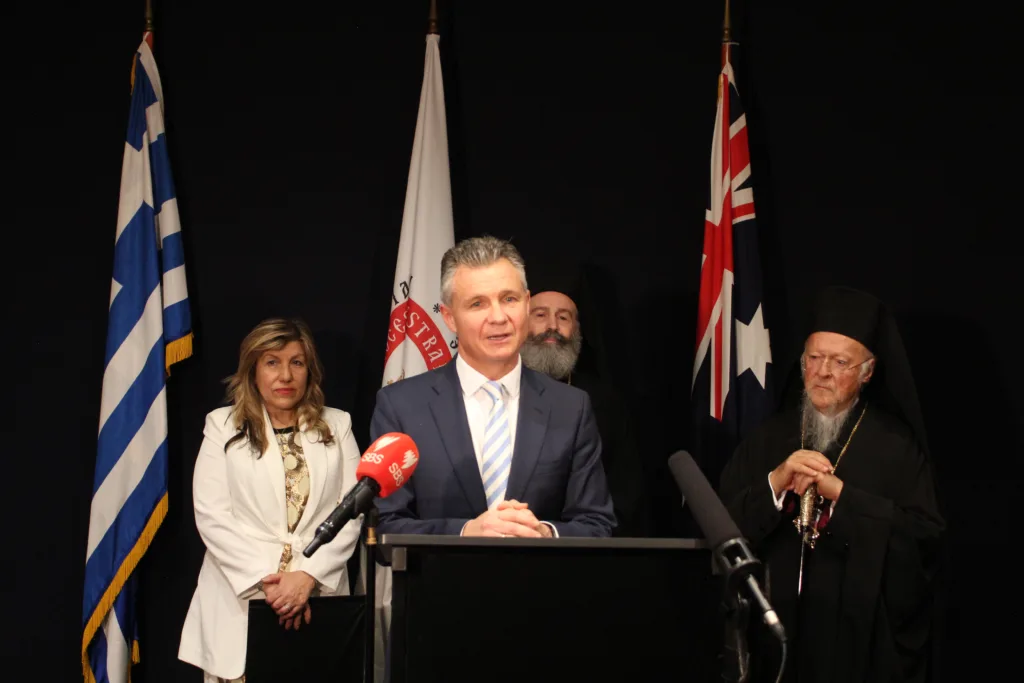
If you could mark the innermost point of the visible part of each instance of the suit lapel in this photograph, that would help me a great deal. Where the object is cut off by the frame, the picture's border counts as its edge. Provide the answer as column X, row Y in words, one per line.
column 449, row 413
column 268, row 471
column 530, row 429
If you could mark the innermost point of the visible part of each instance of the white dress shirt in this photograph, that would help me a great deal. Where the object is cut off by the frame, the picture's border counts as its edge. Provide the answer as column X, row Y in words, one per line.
column 478, row 406
column 478, row 403
column 777, row 499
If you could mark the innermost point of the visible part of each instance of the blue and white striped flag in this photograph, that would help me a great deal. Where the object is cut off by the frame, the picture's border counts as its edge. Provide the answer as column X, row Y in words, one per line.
column 148, row 329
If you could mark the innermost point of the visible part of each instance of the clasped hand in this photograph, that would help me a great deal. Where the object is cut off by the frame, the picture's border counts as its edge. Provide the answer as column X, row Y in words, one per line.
column 288, row 595
column 803, row 468
column 510, row 518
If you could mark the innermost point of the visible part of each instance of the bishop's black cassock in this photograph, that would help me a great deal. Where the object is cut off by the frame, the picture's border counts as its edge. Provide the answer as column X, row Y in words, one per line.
column 866, row 610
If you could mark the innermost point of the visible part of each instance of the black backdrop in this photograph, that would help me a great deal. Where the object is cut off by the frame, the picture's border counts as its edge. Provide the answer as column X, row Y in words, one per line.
column 884, row 153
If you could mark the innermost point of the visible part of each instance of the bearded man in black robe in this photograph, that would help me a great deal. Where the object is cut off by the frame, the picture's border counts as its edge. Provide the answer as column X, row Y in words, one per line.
column 557, row 347
column 858, row 606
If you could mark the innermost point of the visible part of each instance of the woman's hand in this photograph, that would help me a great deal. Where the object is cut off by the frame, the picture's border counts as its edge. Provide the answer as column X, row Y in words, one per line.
column 288, row 593
column 297, row 621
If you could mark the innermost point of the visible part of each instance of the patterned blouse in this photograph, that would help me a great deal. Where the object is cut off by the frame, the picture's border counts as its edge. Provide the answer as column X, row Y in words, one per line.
column 296, row 485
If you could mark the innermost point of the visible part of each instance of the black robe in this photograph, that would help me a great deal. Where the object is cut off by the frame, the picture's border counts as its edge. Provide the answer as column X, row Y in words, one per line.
column 866, row 606
column 620, row 456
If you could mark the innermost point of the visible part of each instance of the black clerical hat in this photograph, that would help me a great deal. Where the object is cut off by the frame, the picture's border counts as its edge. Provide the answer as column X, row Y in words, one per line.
column 862, row 316
column 592, row 289
column 851, row 313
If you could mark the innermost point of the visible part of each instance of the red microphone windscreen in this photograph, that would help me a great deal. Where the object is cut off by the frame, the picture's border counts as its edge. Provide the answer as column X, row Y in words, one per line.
column 389, row 461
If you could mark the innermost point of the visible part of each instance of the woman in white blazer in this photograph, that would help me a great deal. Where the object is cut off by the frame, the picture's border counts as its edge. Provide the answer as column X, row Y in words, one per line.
column 272, row 467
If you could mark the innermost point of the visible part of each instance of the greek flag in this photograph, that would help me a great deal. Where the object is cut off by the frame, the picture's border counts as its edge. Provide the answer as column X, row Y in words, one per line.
column 148, row 329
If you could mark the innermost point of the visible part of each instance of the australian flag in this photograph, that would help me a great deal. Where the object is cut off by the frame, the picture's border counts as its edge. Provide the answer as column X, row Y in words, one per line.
column 732, row 388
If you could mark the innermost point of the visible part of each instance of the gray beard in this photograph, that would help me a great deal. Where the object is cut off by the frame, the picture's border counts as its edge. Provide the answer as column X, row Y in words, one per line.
column 821, row 431
column 556, row 360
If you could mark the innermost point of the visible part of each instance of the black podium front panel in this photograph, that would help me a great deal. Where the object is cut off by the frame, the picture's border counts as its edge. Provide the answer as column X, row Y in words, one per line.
column 329, row 649
column 567, row 609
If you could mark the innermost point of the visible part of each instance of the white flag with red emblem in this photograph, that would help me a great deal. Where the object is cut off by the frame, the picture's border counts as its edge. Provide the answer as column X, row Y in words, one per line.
column 418, row 340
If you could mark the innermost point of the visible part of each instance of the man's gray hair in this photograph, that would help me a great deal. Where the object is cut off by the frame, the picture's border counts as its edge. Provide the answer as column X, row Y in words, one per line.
column 477, row 252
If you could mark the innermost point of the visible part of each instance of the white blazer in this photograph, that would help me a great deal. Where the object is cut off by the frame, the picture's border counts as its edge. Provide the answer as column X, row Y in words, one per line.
column 241, row 515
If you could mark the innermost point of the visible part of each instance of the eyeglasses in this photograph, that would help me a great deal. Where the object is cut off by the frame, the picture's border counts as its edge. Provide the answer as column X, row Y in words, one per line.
column 837, row 366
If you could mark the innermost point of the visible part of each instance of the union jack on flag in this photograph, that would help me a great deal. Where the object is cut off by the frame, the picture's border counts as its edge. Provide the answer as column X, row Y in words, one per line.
column 148, row 329
column 732, row 385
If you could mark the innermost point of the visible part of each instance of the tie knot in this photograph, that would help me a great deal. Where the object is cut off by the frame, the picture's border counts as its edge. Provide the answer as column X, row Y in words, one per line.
column 493, row 389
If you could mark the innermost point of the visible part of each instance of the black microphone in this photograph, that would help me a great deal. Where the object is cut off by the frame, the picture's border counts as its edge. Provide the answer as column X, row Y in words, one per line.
column 384, row 468
column 730, row 548
column 355, row 503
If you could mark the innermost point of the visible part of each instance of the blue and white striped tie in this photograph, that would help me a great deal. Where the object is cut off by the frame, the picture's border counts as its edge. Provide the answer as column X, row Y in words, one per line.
column 497, row 450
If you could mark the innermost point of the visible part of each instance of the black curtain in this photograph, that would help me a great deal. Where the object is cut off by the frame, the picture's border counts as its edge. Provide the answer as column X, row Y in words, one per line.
column 884, row 151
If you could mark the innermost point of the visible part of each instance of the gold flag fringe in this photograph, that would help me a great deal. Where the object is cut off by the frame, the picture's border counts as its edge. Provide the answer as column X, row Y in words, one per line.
column 178, row 350
column 106, row 603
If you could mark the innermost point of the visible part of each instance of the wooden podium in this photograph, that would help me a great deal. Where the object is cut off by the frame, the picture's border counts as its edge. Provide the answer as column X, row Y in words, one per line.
column 579, row 609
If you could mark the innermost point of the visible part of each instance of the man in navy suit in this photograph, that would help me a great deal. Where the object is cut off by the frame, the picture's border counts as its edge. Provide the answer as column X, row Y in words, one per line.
column 504, row 450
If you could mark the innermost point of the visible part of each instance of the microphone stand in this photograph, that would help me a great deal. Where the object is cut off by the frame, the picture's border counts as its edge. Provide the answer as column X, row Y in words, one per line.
column 736, row 661
column 370, row 541
column 736, row 608
column 738, row 565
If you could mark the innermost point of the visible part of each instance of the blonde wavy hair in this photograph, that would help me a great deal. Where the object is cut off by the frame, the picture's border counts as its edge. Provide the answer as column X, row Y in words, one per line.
column 271, row 335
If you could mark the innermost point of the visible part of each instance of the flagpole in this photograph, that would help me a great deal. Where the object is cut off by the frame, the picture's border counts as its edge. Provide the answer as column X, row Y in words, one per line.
column 432, row 20
column 147, row 35
column 123, row 531
column 726, row 34
column 427, row 232
column 372, row 519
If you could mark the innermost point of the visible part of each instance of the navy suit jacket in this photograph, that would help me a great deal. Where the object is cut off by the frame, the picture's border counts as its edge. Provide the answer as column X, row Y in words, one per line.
column 556, row 462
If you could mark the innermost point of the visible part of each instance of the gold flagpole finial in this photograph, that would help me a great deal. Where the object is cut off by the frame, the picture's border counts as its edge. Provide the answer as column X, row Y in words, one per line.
column 432, row 21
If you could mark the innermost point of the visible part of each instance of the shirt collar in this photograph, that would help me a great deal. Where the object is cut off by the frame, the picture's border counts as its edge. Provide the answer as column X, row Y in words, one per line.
column 471, row 380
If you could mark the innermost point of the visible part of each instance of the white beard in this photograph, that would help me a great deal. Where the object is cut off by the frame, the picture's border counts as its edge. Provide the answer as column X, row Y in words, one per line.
column 821, row 431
